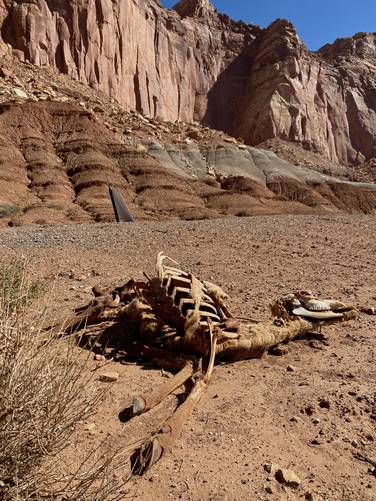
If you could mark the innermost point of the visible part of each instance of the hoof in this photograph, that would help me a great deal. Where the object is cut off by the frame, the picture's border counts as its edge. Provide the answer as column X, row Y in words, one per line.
column 144, row 457
column 138, row 406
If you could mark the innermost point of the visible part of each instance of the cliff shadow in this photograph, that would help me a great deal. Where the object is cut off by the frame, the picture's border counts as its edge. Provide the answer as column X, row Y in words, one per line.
column 226, row 95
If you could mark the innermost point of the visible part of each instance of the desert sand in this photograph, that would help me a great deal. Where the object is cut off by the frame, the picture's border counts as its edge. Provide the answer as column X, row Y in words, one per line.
column 312, row 410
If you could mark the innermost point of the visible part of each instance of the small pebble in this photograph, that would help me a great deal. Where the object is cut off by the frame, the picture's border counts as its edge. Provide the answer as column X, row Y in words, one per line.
column 324, row 403
column 109, row 377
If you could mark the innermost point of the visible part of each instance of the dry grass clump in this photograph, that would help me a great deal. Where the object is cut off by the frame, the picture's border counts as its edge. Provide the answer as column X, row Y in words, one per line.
column 8, row 210
column 44, row 392
column 17, row 289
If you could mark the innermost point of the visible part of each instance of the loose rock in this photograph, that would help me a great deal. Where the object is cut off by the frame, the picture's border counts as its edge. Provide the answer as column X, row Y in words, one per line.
column 288, row 477
column 269, row 489
column 324, row 403
column 279, row 351
column 310, row 497
column 272, row 468
column 310, row 410
column 109, row 377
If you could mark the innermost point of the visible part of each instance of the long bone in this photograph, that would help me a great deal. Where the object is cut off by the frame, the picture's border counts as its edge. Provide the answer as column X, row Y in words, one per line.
column 152, row 449
column 148, row 401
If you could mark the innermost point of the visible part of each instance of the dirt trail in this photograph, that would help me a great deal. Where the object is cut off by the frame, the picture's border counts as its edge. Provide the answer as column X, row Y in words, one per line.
column 312, row 419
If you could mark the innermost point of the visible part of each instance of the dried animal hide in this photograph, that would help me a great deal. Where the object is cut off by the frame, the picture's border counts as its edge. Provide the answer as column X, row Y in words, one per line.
column 185, row 323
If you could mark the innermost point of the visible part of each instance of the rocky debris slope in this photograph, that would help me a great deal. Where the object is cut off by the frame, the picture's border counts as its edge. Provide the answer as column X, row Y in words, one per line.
column 192, row 63
column 295, row 154
column 366, row 172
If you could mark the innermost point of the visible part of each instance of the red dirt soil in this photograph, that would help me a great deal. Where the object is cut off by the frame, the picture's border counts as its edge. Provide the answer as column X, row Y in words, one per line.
column 314, row 419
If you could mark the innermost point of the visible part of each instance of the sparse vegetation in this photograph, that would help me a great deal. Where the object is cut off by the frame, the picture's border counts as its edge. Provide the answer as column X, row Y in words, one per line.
column 44, row 392
column 9, row 210
column 17, row 290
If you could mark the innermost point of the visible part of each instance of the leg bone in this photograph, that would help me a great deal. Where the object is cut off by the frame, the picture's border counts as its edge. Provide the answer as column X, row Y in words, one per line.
column 152, row 450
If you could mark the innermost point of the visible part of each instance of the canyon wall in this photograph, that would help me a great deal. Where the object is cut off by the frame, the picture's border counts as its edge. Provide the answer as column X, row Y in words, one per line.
column 148, row 58
column 325, row 101
column 192, row 63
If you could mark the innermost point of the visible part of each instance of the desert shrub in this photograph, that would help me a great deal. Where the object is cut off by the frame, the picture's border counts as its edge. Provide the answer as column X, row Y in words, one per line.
column 8, row 210
column 17, row 289
column 45, row 390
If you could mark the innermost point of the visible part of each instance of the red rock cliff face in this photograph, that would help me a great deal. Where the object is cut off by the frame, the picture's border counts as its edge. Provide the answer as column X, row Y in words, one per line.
column 325, row 101
column 192, row 63
column 149, row 59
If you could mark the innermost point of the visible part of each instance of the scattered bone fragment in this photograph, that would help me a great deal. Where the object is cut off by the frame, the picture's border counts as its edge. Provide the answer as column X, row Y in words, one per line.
column 368, row 310
column 279, row 351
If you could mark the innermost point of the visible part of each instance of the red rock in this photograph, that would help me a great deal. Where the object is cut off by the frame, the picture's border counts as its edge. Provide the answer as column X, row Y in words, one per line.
column 167, row 72
column 109, row 377
column 287, row 477
column 5, row 72
column 193, row 63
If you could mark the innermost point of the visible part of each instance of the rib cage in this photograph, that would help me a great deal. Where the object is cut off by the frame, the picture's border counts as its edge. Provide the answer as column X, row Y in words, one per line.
column 185, row 296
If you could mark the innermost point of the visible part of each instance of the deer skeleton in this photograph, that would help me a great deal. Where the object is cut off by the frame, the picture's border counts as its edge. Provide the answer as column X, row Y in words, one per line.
column 183, row 323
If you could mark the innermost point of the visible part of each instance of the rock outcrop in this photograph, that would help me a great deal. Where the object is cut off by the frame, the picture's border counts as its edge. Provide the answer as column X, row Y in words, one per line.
column 62, row 144
column 324, row 101
column 194, row 64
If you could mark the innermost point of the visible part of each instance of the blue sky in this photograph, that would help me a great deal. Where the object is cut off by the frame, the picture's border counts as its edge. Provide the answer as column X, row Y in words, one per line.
column 317, row 21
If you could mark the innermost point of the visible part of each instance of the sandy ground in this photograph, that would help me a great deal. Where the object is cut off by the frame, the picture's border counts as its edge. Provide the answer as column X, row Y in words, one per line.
column 313, row 420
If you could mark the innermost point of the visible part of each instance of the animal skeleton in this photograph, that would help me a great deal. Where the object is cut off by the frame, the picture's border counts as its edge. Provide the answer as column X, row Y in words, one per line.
column 185, row 324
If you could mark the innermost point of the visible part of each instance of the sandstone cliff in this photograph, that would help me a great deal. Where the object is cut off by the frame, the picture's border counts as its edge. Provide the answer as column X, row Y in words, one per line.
column 324, row 101
column 192, row 63
column 150, row 59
